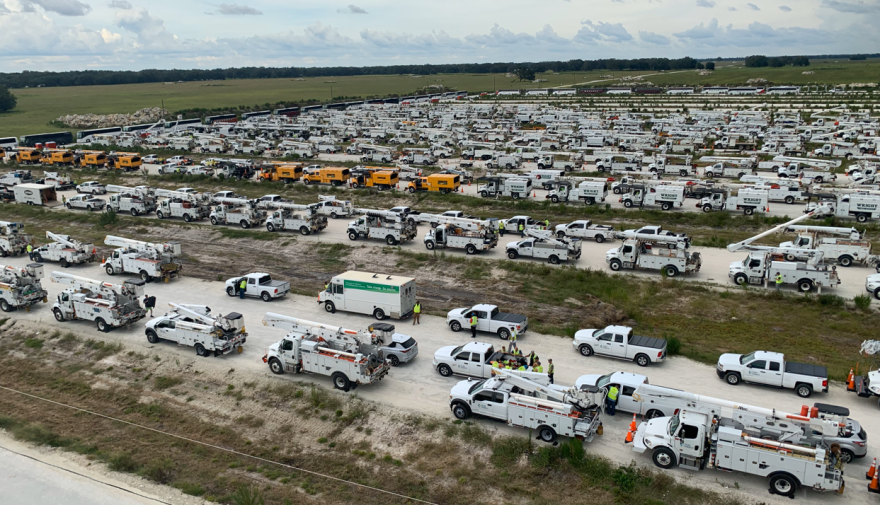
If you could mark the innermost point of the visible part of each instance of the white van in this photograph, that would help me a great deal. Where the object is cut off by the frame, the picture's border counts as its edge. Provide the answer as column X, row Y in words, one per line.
column 379, row 295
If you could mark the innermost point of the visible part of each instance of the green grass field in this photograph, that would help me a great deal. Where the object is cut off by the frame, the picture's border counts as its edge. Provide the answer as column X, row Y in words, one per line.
column 37, row 107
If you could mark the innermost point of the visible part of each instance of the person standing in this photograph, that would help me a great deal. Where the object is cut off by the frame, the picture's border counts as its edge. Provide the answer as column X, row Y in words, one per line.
column 611, row 400
column 242, row 287
column 417, row 310
column 532, row 358
column 149, row 303
column 501, row 228
column 512, row 339
column 63, row 200
column 546, row 224
column 30, row 251
column 778, row 280
column 474, row 325
column 522, row 230
column 550, row 370
column 537, row 367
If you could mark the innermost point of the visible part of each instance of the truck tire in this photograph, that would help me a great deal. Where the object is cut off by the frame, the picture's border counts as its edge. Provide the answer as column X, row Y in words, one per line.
column 330, row 307
column 665, row 206
column 109, row 270
column 456, row 326
column 412, row 189
column 653, row 414
column 710, row 174
column 379, row 314
column 616, row 265
column 748, row 211
column 265, row 296
column 877, row 293
column 145, row 276
column 340, row 381
column 69, row 207
column 275, row 366
column 683, row 173
column 664, row 458
column 333, row 215
column 270, row 226
column 845, row 260
column 429, row 245
column 554, row 259
column 600, row 238
column 789, row 200
column 187, row 218
column 861, row 218
column 470, row 249
column 461, row 411
column 554, row 199
column 512, row 254
column 230, row 291
column 707, row 208
column 783, row 484
column 732, row 378
column 616, row 191
column 484, row 194
column 214, row 221
column 504, row 334
column 589, row 200
column 560, row 235
column 201, row 351
column 352, row 235
column 642, row 360
column 546, row 434
column 671, row 270
column 803, row 390
column 741, row 279
column 59, row 316
column 102, row 325
column 515, row 196
column 627, row 203
column 64, row 262
column 805, row 285
column 585, row 350
column 152, row 337
column 390, row 240
column 244, row 224
column 4, row 306
column 39, row 259
column 134, row 212
column 304, row 230
column 160, row 215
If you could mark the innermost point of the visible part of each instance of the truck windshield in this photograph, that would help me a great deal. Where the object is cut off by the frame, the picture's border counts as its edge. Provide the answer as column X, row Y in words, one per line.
column 674, row 421
column 476, row 387
column 747, row 358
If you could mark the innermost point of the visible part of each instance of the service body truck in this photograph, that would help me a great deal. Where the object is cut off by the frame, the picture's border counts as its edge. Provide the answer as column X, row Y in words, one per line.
column 376, row 294
column 195, row 326
column 862, row 206
column 514, row 187
column 259, row 285
column 13, row 239
column 108, row 305
column 350, row 358
column 549, row 409
column 333, row 207
column 489, row 320
column 543, row 244
column 302, row 218
column 238, row 211
column 385, row 225
column 134, row 201
column 746, row 200
column 725, row 170
column 771, row 369
column 585, row 229
column 189, row 206
column 472, row 235
column 588, row 191
column 651, row 252
column 473, row 359
column 843, row 245
column 665, row 195
column 148, row 261
column 618, row 163
column 620, row 342
column 65, row 250
column 761, row 267
column 20, row 287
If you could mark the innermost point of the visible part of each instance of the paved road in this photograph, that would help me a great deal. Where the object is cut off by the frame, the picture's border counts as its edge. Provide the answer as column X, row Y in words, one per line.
column 416, row 386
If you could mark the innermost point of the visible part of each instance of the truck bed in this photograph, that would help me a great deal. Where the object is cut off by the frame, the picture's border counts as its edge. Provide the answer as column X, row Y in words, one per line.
column 805, row 369
column 650, row 342
column 509, row 318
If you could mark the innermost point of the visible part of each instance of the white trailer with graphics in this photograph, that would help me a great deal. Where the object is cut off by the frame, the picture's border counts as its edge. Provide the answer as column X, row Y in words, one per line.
column 379, row 295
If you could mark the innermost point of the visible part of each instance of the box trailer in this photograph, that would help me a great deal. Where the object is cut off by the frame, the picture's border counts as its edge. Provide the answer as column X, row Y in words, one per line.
column 34, row 194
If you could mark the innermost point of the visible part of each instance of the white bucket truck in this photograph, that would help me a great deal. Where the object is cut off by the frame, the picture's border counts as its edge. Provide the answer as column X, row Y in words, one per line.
column 666, row 196
column 472, row 235
column 746, row 200
column 237, row 211
column 195, row 326
column 134, row 201
column 291, row 216
column 654, row 252
column 370, row 293
column 13, row 239
column 350, row 358
column 386, row 225
column 189, row 206
column 147, row 260
column 515, row 187
column 329, row 205
column 862, row 206
column 65, row 250
column 844, row 245
column 20, row 287
column 588, row 191
column 108, row 305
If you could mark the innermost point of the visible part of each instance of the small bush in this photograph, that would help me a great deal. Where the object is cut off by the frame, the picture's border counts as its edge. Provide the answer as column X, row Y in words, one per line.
column 863, row 302
column 831, row 301
column 506, row 450
column 122, row 462
column 162, row 383
column 673, row 346
column 190, row 489
column 161, row 471
column 35, row 343
column 247, row 496
column 107, row 218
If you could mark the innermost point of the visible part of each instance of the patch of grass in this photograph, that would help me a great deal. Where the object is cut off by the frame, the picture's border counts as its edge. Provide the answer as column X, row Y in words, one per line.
column 122, row 462
column 190, row 488
column 33, row 343
column 101, row 349
column 247, row 495
column 251, row 421
column 160, row 470
column 862, row 302
column 673, row 346
column 162, row 383
column 238, row 233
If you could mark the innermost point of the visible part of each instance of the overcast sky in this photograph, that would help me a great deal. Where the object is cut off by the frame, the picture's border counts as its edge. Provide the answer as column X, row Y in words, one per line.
column 135, row 34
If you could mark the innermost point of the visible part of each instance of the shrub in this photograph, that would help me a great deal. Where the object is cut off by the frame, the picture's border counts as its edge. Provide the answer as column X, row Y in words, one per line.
column 122, row 462
column 162, row 383
column 247, row 496
column 673, row 346
column 863, row 302
column 107, row 218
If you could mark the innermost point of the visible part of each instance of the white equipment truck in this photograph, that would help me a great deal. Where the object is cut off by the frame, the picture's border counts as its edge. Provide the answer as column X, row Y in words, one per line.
column 258, row 285
column 291, row 216
column 585, row 229
column 385, row 225
column 195, row 326
column 844, row 245
column 20, row 287
column 697, row 440
column 544, row 244
column 747, row 200
column 329, row 205
column 134, row 201
column 666, row 196
column 108, row 305
column 13, row 240
column 147, row 260
column 237, row 211
column 655, row 252
column 764, row 262
column 514, row 187
column 370, row 293
column 862, row 206
column 588, row 191
column 550, row 409
column 349, row 357
column 65, row 250
column 472, row 235
column 189, row 206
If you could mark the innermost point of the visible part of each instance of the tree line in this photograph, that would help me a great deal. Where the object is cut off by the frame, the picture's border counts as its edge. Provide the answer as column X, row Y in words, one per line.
column 777, row 61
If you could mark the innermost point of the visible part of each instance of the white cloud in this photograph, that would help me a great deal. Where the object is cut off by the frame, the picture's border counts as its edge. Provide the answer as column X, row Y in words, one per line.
column 238, row 10
column 32, row 35
column 857, row 7
column 785, row 8
column 755, row 35
column 754, row 7
column 706, row 3
column 654, row 38
column 601, row 31
column 732, row 9
column 120, row 4
column 351, row 9
column 63, row 7
column 110, row 37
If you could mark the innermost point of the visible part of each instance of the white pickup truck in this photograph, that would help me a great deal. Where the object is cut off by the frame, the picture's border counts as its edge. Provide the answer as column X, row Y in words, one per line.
column 771, row 369
column 584, row 228
column 473, row 359
column 259, row 285
column 489, row 319
column 619, row 342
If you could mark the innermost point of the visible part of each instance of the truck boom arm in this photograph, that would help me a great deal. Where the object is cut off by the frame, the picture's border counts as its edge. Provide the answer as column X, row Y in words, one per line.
column 821, row 210
column 66, row 240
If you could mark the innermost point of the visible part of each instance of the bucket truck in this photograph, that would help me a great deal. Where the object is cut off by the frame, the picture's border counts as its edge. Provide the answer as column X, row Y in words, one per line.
column 747, row 200
column 328, row 205
column 521, row 400
column 291, row 216
column 349, row 357
column 66, row 250
column 237, row 210
column 147, row 260
column 108, row 305
column 394, row 228
column 721, row 435
column 195, row 326
column 667, row 253
column 20, row 287
column 588, row 191
column 472, row 235
column 862, row 206
column 844, row 245
column 515, row 187
column 189, row 206
column 544, row 244
column 867, row 385
column 13, row 240
column 764, row 262
column 665, row 195
column 136, row 201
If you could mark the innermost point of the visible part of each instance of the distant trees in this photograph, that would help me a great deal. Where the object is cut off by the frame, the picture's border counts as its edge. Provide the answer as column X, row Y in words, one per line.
column 757, row 61
column 777, row 61
column 858, row 57
column 524, row 74
column 710, row 65
column 7, row 99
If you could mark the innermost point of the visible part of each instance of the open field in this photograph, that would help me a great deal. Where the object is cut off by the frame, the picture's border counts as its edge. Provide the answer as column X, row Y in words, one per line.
column 831, row 72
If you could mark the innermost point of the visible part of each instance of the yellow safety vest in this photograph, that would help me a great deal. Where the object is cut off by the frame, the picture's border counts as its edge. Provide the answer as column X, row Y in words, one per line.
column 550, row 368
column 501, row 225
column 612, row 394
column 539, row 369
column 30, row 248
column 473, row 321
column 418, row 308
column 243, row 284
column 778, row 278
column 521, row 368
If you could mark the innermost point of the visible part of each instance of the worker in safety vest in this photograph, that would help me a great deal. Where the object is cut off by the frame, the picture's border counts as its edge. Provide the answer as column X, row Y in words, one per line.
column 537, row 367
column 522, row 368
column 611, row 400
column 495, row 364
column 242, row 287
column 522, row 230
column 532, row 358
column 473, row 322
column 501, row 228
column 778, row 280
column 512, row 338
column 546, row 224
column 550, row 370
column 30, row 251
column 417, row 310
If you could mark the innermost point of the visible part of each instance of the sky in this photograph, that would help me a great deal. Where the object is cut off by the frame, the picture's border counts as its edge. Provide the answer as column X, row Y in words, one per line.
column 135, row 34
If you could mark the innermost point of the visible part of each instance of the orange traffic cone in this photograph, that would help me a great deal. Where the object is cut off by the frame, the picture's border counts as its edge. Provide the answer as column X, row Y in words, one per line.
column 632, row 425
column 872, row 472
column 103, row 259
column 534, row 194
column 851, row 381
column 874, row 486
column 629, row 437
